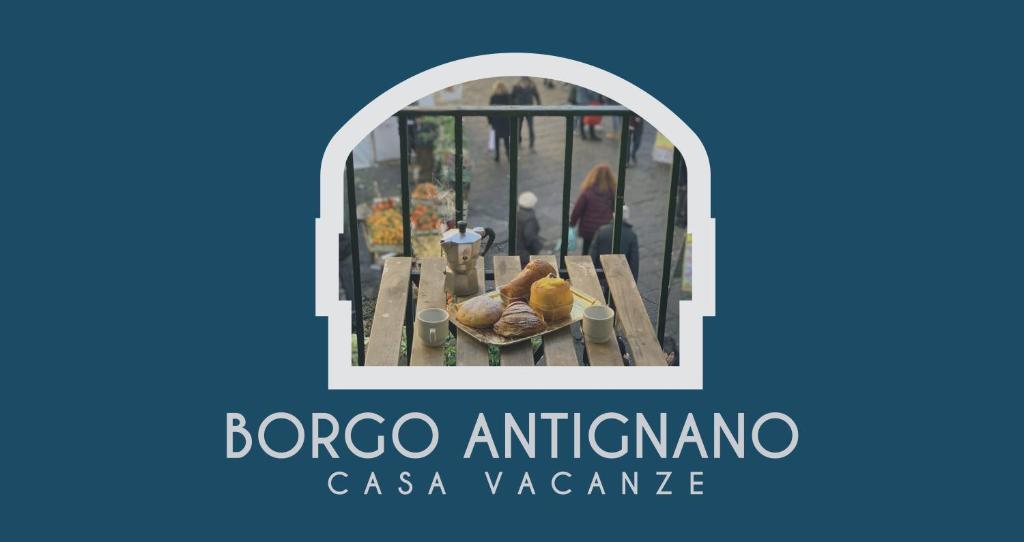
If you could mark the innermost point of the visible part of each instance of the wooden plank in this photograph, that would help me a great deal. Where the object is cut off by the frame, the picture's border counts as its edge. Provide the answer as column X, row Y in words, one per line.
column 505, row 269
column 469, row 351
column 630, row 312
column 431, row 296
column 559, row 347
column 389, row 312
column 584, row 276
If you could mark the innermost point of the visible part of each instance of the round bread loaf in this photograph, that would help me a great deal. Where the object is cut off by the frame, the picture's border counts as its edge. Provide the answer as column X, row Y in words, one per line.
column 481, row 312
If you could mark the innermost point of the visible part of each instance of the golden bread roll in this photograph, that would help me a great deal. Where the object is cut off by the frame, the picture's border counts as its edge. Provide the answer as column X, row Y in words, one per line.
column 552, row 298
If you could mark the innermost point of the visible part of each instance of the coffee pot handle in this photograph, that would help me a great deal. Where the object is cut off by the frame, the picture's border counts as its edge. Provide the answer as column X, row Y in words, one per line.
column 489, row 235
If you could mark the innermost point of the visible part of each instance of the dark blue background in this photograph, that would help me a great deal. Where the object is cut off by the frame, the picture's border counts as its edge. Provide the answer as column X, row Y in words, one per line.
column 161, row 180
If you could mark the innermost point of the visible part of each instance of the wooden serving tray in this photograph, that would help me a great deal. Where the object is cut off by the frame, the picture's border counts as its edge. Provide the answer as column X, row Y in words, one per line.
column 580, row 301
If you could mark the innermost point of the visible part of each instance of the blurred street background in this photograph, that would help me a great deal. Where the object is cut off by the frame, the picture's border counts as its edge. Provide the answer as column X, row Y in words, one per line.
column 541, row 172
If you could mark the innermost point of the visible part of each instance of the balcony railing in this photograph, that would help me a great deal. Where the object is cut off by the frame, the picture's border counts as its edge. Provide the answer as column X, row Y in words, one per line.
column 514, row 112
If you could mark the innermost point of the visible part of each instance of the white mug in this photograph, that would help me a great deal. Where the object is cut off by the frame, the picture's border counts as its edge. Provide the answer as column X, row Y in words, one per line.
column 433, row 326
column 599, row 323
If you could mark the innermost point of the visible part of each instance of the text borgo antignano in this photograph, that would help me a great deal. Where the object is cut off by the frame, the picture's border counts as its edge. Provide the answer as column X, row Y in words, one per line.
column 574, row 439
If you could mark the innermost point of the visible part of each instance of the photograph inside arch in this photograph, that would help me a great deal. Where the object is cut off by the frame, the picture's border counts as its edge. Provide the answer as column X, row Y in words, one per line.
column 515, row 221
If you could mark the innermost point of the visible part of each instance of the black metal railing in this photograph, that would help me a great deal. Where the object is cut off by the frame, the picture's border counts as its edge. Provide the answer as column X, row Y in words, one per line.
column 515, row 113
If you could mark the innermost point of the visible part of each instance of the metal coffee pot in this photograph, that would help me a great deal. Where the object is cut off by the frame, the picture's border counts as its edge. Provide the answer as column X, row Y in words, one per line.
column 461, row 248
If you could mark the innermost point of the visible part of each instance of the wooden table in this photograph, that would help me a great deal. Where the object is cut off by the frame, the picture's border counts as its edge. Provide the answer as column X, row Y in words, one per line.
column 559, row 347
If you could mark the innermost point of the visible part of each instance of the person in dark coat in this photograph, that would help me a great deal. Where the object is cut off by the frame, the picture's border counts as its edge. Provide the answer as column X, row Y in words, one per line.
column 628, row 245
column 636, row 135
column 528, row 240
column 525, row 93
column 500, row 124
column 595, row 204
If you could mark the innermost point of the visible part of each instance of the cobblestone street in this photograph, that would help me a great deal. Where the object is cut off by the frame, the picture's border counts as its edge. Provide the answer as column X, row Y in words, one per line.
column 541, row 171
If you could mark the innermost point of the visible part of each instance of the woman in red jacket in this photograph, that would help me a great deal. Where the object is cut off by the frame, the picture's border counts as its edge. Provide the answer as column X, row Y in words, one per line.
column 595, row 205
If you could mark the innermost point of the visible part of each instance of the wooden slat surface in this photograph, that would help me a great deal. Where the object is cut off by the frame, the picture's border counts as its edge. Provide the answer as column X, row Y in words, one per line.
column 584, row 276
column 469, row 351
column 431, row 295
column 630, row 311
column 389, row 313
column 559, row 347
column 505, row 269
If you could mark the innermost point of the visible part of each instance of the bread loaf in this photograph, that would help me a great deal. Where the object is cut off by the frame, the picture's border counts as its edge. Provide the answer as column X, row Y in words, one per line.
column 480, row 312
column 519, row 288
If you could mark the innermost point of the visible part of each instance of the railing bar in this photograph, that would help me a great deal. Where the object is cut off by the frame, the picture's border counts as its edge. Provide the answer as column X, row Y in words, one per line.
column 410, row 316
column 516, row 110
column 353, row 233
column 458, row 168
column 666, row 267
column 406, row 226
column 566, row 185
column 513, row 180
column 403, row 147
column 489, row 275
column 620, row 195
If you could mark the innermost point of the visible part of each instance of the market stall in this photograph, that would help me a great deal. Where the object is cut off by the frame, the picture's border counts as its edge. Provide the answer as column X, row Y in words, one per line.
column 382, row 222
column 432, row 199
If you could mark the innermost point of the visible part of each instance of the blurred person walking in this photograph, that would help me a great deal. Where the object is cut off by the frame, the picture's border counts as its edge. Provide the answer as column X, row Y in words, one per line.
column 628, row 245
column 584, row 96
column 525, row 93
column 616, row 120
column 636, row 134
column 595, row 204
column 501, row 125
column 528, row 240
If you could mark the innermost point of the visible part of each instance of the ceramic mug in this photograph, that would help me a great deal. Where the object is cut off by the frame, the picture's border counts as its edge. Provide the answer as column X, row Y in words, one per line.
column 599, row 323
column 433, row 328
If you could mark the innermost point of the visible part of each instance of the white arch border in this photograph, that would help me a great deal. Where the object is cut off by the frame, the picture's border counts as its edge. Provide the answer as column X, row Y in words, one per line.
column 340, row 372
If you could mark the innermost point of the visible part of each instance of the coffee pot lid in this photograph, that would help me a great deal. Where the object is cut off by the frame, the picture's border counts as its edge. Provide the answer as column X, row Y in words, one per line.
column 461, row 235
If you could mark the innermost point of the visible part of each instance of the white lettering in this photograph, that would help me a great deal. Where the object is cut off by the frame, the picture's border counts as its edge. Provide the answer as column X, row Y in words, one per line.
column 554, row 417
column 794, row 435
column 404, row 478
column 735, row 439
column 372, row 482
column 694, row 482
column 330, row 483
column 436, row 483
column 356, row 451
column 632, row 483
column 236, row 426
column 554, row 482
column 481, row 433
column 528, row 443
column 527, row 482
column 660, row 441
column 592, row 435
column 326, row 442
column 397, row 429
column 690, row 434
column 299, row 439
column 493, row 485
column 664, row 481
